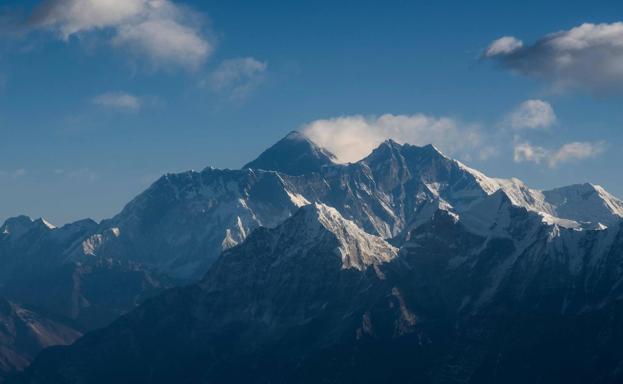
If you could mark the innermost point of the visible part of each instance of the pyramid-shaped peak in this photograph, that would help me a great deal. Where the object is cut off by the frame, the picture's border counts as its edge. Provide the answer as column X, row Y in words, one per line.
column 295, row 154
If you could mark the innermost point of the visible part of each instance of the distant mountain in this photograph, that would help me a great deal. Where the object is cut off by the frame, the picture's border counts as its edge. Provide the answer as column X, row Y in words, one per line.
column 37, row 269
column 585, row 203
column 23, row 333
column 295, row 155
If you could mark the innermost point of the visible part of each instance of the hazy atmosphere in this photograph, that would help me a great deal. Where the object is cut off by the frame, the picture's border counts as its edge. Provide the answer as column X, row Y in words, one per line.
column 98, row 100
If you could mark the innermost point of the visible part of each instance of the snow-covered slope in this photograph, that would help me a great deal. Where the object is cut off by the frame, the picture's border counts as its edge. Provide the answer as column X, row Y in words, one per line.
column 356, row 248
column 574, row 206
column 184, row 221
column 585, row 203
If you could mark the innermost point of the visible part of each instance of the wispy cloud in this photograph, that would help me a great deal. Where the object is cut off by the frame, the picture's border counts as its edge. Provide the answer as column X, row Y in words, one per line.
column 503, row 46
column 160, row 31
column 570, row 152
column 576, row 151
column 237, row 77
column 532, row 114
column 19, row 173
column 351, row 138
column 15, row 174
column 86, row 174
column 118, row 100
column 589, row 56
column 526, row 152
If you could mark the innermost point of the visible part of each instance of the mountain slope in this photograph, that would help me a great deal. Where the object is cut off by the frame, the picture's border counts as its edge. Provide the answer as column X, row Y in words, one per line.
column 585, row 203
column 37, row 270
column 23, row 333
column 183, row 221
column 287, row 283
column 285, row 305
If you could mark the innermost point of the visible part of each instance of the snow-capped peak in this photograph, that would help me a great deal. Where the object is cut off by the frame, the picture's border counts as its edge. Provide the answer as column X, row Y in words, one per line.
column 356, row 248
column 572, row 206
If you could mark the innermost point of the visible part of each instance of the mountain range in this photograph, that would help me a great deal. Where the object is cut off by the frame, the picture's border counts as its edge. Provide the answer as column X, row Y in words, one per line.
column 404, row 266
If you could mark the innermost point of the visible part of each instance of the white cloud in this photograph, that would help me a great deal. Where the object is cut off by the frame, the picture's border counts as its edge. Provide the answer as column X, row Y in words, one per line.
column 351, row 138
column 118, row 100
column 576, row 151
column 503, row 45
column 159, row 30
column 570, row 152
column 525, row 152
column 589, row 56
column 532, row 114
column 237, row 77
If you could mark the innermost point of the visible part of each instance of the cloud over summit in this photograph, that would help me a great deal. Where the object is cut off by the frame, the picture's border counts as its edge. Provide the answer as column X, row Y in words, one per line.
column 353, row 137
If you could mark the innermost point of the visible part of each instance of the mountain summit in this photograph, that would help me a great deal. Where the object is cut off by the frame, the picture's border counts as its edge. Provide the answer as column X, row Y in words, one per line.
column 294, row 155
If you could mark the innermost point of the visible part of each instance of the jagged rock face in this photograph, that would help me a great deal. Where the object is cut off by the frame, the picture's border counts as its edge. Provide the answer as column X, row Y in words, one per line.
column 23, row 333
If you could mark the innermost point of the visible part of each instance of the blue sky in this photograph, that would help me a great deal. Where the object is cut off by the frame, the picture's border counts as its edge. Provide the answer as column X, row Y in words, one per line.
column 96, row 103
